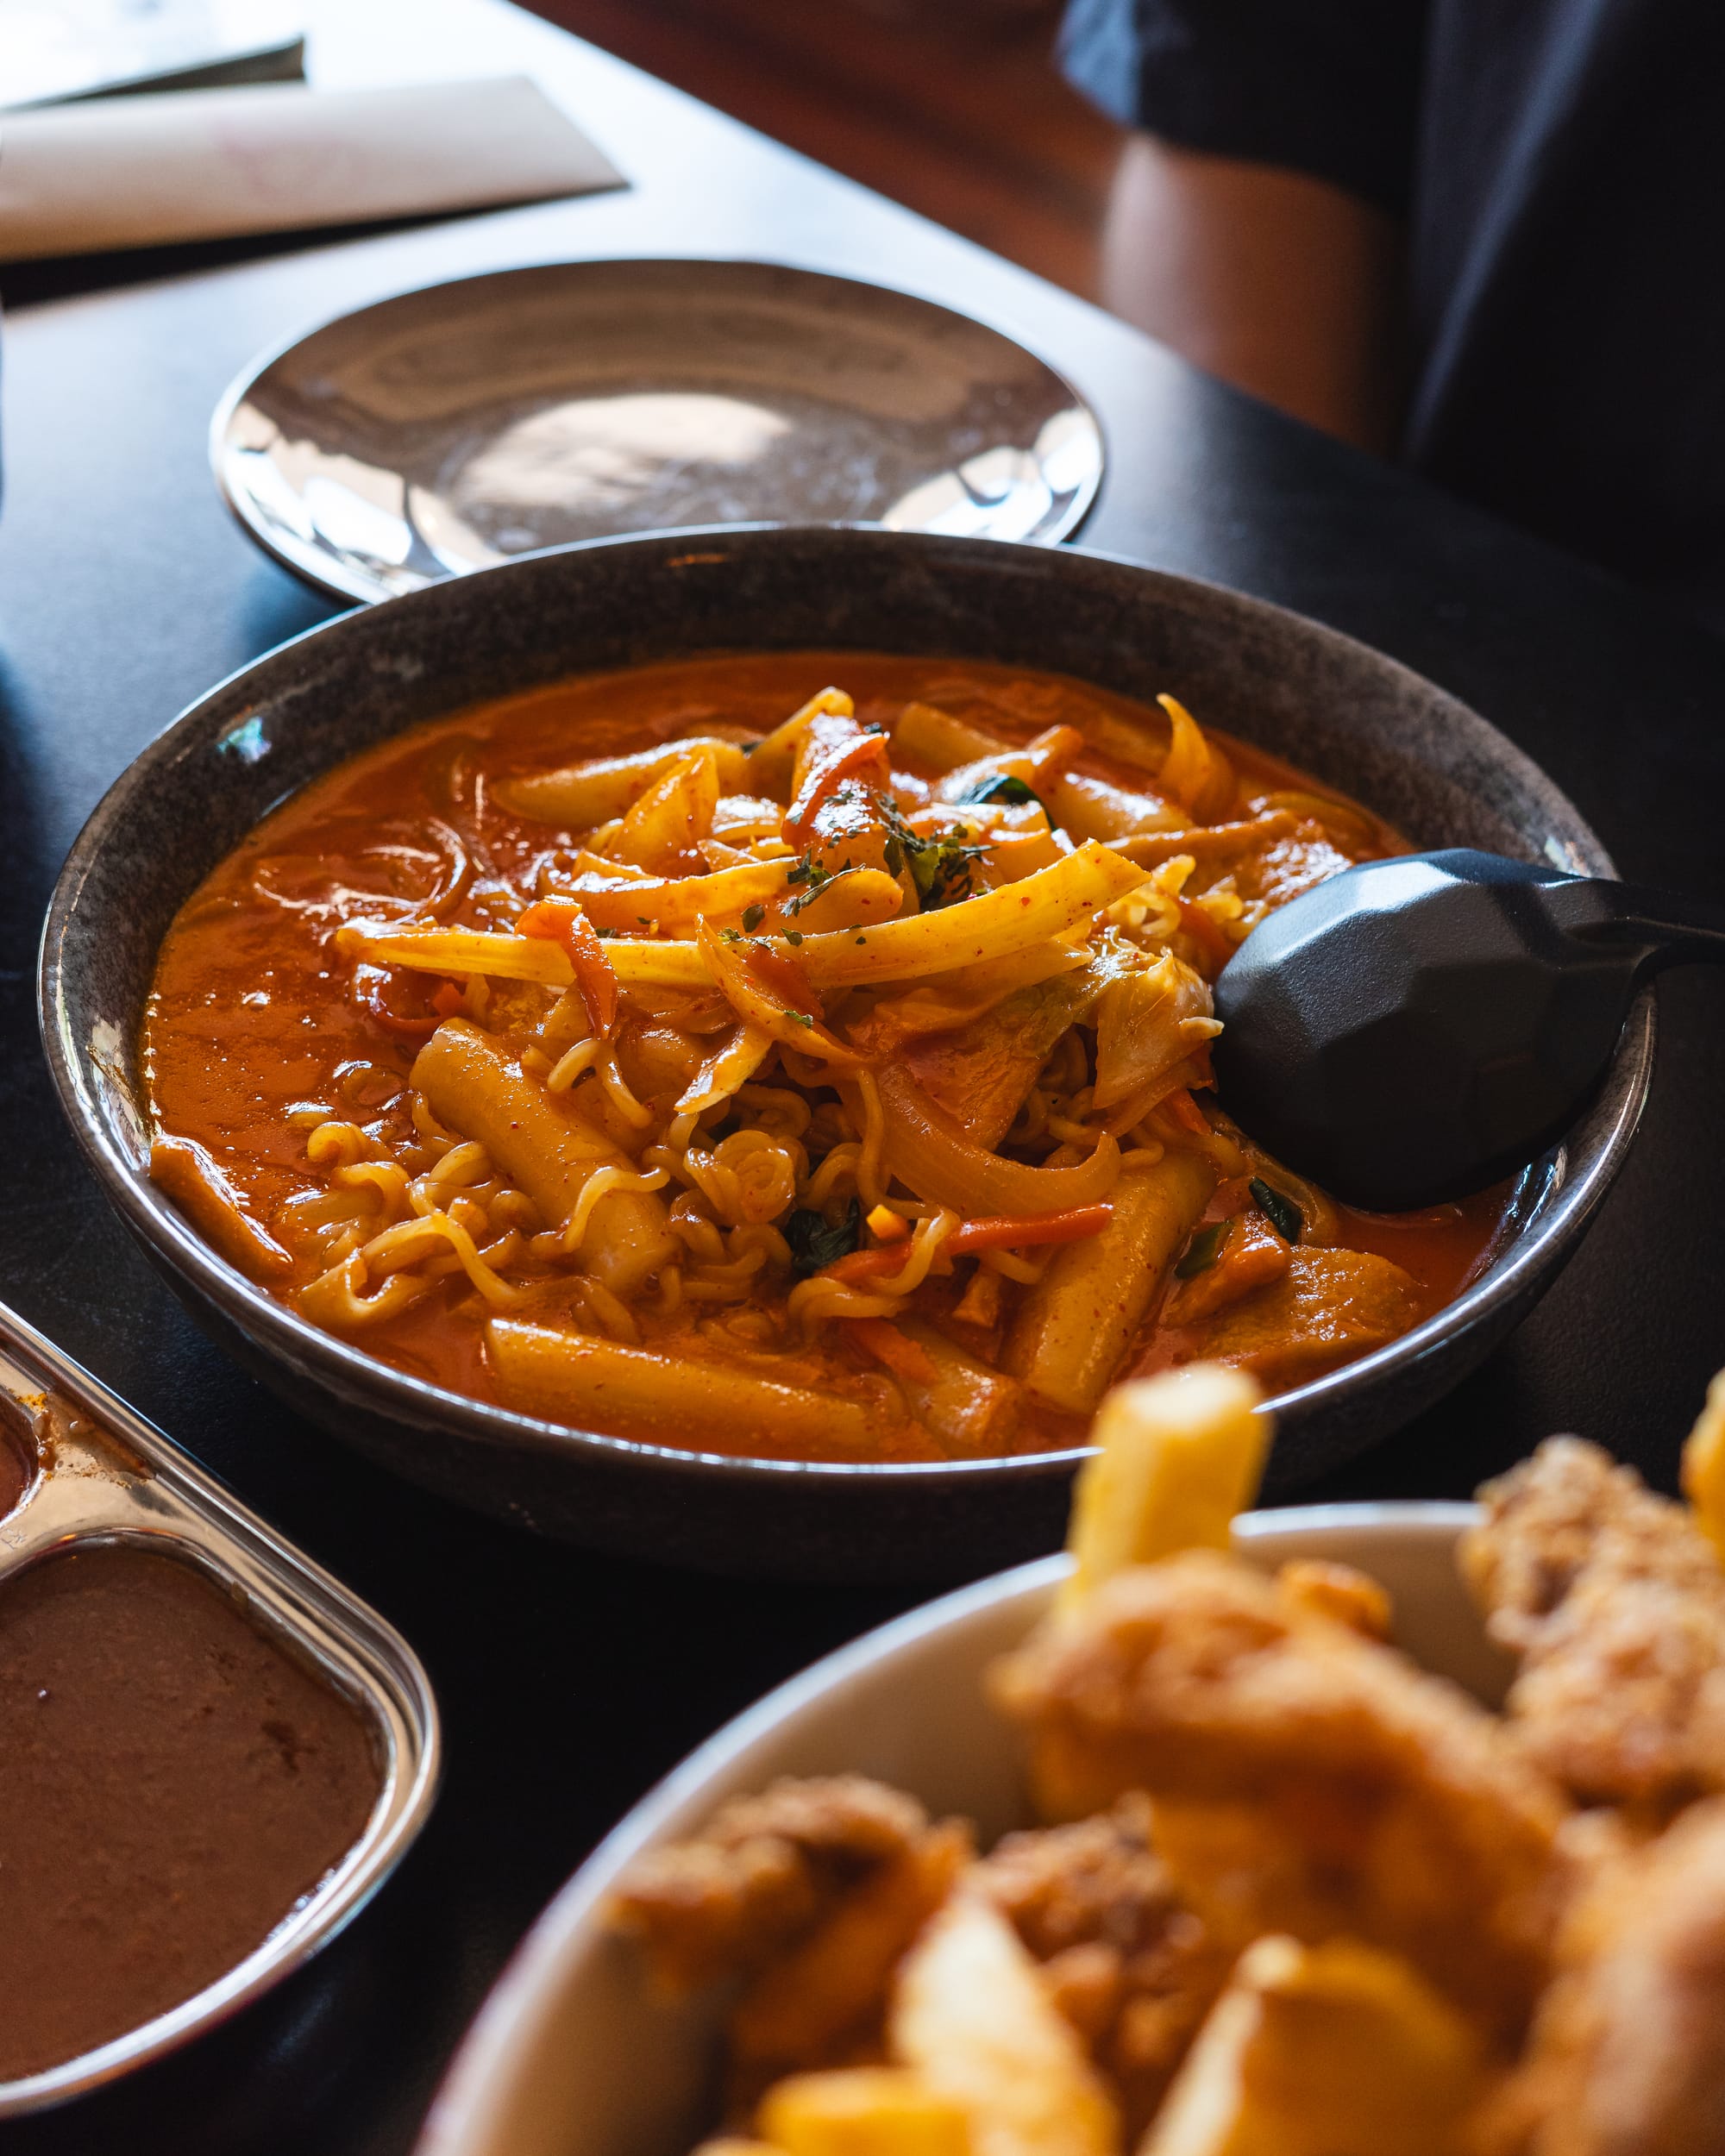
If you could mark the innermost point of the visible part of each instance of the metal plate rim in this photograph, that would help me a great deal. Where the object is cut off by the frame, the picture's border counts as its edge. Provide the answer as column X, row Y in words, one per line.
column 328, row 574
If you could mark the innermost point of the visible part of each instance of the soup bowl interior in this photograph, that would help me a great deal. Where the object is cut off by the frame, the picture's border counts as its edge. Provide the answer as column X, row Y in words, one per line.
column 575, row 2049
column 1348, row 716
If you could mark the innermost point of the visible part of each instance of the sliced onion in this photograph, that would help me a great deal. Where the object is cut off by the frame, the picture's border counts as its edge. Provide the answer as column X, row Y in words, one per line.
column 934, row 1157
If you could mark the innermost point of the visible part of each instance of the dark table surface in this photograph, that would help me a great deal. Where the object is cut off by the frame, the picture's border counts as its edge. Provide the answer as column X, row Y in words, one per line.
column 569, row 1682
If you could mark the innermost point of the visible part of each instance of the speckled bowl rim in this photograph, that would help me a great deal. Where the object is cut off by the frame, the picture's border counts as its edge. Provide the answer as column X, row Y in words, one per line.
column 1592, row 1152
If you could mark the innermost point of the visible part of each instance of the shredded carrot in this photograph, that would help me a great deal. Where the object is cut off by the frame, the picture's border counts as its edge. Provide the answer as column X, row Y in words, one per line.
column 778, row 971
column 842, row 750
column 562, row 921
column 448, row 1000
column 1002, row 1232
column 904, row 1358
column 1183, row 1109
column 1005, row 1232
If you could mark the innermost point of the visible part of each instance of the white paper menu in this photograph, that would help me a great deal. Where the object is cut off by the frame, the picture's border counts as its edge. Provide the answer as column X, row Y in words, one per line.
column 201, row 165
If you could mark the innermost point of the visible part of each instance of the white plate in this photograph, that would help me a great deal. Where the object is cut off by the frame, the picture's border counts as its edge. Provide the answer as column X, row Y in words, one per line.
column 450, row 428
column 572, row 2052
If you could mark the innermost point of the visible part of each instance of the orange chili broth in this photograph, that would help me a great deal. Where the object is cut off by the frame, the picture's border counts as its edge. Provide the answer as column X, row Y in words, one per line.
column 223, row 1072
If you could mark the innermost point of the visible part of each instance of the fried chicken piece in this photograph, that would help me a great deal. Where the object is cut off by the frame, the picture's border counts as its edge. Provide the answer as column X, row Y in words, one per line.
column 1130, row 1966
column 763, row 1873
column 1306, row 1779
column 1615, row 1601
column 1321, row 1589
column 811, row 1893
column 1628, row 2055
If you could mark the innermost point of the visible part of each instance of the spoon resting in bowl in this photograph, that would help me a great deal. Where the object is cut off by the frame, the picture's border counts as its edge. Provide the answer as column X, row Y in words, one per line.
column 1414, row 1028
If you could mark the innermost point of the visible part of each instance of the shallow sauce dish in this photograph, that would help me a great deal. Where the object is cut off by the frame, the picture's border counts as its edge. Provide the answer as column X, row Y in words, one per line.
column 213, row 1754
column 575, row 2051
column 1355, row 721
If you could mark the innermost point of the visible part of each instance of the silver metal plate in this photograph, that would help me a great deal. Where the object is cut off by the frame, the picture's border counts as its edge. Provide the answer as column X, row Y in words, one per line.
column 125, row 1481
column 450, row 428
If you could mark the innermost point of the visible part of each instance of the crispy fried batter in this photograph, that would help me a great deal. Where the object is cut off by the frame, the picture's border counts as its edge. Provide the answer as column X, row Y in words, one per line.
column 1615, row 1601
column 1130, row 1966
column 762, row 1874
column 1627, row 2056
column 1341, row 1592
column 1307, row 1780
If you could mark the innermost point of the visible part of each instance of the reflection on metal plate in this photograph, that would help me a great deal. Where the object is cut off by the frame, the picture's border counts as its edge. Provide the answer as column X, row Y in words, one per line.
column 453, row 428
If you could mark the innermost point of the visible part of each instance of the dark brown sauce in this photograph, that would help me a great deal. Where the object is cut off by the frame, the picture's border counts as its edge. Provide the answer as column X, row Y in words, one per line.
column 172, row 1783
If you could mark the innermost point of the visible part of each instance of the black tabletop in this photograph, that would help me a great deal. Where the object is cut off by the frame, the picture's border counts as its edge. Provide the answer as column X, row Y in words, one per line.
column 569, row 1682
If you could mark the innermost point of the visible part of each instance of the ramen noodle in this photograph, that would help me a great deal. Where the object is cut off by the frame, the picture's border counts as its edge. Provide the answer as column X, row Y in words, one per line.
column 804, row 1057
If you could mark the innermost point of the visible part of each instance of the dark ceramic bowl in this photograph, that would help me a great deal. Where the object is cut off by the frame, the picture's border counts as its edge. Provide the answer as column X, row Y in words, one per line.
column 1343, row 712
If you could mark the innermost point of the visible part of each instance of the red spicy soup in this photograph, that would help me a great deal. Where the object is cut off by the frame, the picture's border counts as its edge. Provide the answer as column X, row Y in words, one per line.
column 802, row 1055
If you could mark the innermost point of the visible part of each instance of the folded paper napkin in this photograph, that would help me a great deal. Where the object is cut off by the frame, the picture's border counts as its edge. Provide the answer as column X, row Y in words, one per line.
column 202, row 165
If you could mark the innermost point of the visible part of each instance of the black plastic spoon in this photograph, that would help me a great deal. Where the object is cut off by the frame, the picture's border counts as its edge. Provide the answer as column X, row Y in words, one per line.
column 1414, row 1028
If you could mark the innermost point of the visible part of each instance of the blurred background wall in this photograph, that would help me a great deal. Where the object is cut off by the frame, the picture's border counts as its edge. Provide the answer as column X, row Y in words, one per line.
column 953, row 107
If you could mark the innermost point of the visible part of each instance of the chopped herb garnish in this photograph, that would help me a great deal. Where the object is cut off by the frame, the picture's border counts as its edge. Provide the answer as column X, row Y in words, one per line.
column 1280, row 1210
column 603, row 932
column 940, row 867
column 732, row 935
column 862, row 939
column 794, row 936
column 817, row 880
column 814, row 1241
column 643, row 920
column 799, row 870
column 800, row 1017
column 752, row 917
column 1203, row 1250
column 941, row 871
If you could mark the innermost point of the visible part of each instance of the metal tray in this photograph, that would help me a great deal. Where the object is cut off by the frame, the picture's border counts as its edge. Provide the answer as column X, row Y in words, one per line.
column 126, row 1482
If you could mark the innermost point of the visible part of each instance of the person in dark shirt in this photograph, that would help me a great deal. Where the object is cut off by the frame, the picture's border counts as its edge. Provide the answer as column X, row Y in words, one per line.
column 1487, row 235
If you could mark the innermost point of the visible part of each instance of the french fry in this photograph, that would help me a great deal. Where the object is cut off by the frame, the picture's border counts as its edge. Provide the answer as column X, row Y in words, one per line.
column 1180, row 1455
column 1336, row 2050
column 971, row 2015
column 863, row 2111
column 1703, row 1465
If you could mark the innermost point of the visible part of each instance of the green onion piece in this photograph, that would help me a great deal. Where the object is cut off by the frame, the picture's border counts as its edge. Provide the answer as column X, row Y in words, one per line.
column 1280, row 1210
column 1203, row 1250
column 801, row 1017
column 1008, row 788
